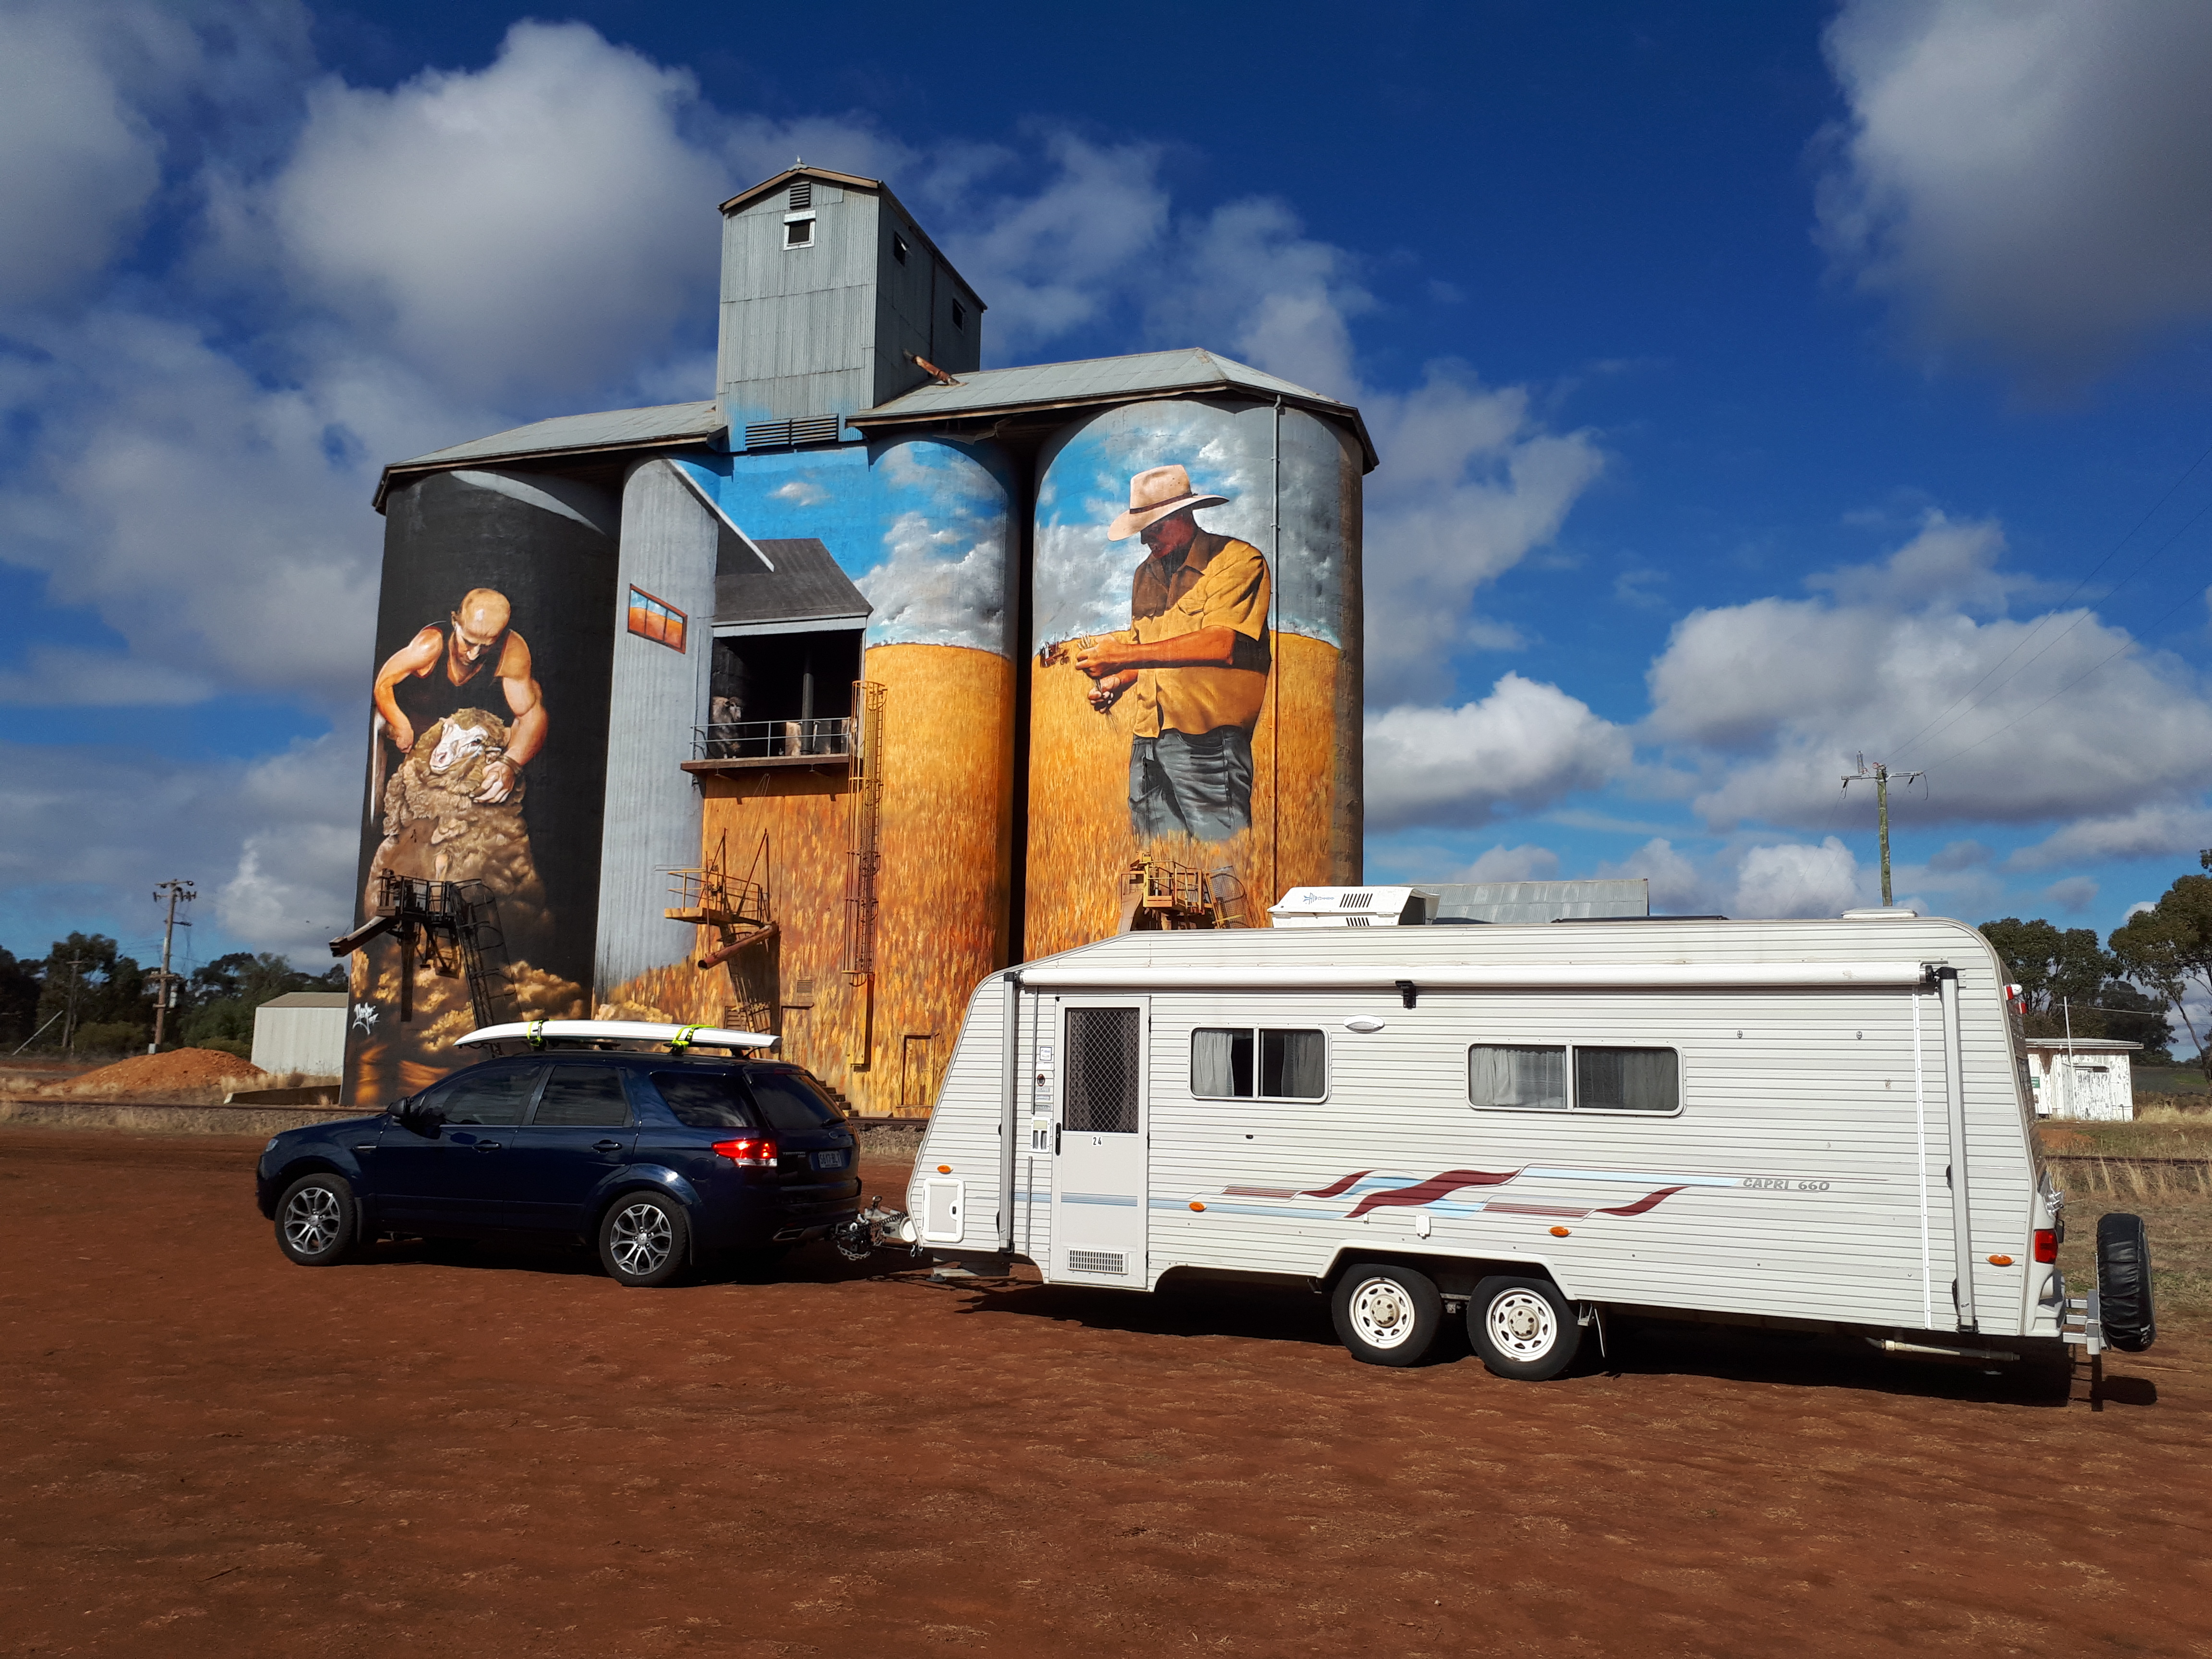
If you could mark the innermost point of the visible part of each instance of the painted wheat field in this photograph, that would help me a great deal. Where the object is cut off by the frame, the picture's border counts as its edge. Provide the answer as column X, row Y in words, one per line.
column 1079, row 840
column 944, row 842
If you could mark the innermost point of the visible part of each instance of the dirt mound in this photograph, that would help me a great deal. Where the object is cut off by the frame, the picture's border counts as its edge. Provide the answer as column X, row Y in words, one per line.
column 180, row 1068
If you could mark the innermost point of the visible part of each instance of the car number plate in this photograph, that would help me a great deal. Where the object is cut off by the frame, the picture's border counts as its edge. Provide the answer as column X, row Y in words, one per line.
column 828, row 1160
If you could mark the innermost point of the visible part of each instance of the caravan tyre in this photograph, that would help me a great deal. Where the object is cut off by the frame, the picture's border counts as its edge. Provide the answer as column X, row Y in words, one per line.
column 1524, row 1329
column 1387, row 1315
column 2124, row 1283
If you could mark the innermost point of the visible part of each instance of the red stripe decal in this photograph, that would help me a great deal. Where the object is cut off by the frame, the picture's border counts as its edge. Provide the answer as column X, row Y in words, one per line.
column 1336, row 1187
column 1428, row 1192
column 1650, row 1200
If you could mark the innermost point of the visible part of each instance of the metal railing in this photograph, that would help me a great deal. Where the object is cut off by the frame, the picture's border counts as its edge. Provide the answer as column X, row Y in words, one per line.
column 829, row 738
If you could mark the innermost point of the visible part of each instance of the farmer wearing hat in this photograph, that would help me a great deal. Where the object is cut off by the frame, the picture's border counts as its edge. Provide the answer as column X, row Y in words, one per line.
column 1193, row 664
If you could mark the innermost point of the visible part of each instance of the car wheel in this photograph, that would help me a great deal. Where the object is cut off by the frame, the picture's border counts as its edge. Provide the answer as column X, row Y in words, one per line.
column 645, row 1239
column 1523, row 1328
column 2124, row 1283
column 316, row 1220
column 1387, row 1315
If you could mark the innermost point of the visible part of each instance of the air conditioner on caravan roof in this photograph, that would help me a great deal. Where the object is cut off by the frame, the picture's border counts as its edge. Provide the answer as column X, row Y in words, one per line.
column 1353, row 907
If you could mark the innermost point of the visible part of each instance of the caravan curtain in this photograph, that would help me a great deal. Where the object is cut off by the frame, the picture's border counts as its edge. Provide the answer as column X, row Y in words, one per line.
column 1221, row 1064
column 1501, row 1076
column 1627, row 1079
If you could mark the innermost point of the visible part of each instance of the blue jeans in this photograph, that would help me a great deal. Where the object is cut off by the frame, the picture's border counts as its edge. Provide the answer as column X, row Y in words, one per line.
column 1191, row 784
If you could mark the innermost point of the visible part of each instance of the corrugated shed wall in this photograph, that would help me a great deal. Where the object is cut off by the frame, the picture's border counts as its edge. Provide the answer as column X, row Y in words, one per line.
column 653, row 815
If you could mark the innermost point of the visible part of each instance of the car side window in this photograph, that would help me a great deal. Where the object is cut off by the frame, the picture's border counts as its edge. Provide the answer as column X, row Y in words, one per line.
column 582, row 1096
column 792, row 1100
column 490, row 1096
column 702, row 1100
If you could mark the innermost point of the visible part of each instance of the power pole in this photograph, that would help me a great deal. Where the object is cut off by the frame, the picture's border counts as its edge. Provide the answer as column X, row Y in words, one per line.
column 1881, row 777
column 174, row 891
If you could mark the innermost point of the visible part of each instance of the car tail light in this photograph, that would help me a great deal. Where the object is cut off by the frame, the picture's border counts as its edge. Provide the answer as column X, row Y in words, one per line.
column 748, row 1151
column 2046, row 1244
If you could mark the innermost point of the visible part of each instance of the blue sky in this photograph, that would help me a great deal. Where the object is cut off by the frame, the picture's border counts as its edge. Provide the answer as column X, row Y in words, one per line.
column 1754, row 385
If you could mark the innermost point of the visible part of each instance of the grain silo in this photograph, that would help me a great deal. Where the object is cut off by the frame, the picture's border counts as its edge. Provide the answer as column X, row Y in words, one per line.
column 854, row 744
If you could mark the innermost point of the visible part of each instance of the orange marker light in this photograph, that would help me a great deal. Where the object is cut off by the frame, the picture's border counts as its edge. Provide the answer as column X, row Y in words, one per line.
column 1195, row 1205
column 1559, row 1233
column 2001, row 1262
column 945, row 1168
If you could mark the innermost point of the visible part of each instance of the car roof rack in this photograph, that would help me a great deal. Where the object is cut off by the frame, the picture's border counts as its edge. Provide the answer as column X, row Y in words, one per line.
column 594, row 1033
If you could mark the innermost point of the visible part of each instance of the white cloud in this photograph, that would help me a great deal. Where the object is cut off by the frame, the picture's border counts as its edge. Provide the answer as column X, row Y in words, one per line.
column 538, row 225
column 2073, row 893
column 66, row 677
column 1522, row 746
column 2033, row 178
column 1471, row 483
column 1797, row 880
column 1678, row 885
column 1526, row 862
column 2159, row 830
column 2015, row 720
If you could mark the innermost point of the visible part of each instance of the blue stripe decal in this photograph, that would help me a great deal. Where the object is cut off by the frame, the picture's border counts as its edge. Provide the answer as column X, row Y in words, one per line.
column 1112, row 1200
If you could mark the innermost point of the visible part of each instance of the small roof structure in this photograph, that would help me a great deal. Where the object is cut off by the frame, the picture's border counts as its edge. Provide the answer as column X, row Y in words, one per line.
column 1620, row 898
column 745, row 198
column 665, row 426
column 308, row 1000
column 981, row 393
column 804, row 585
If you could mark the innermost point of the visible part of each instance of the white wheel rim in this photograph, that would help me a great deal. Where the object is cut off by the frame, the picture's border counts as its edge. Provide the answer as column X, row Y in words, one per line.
column 1383, row 1313
column 311, row 1220
column 642, row 1239
column 1523, row 1325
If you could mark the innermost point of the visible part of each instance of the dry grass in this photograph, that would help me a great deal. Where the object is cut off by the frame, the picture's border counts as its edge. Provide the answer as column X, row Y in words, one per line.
column 947, row 810
column 2175, row 1200
column 1080, row 841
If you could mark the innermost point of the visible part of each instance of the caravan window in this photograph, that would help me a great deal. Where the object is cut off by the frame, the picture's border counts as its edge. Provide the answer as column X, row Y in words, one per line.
column 1534, row 1079
column 1238, row 1063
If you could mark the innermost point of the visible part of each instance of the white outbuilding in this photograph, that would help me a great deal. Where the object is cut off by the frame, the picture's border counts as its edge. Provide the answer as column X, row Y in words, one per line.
column 301, row 1031
column 2081, row 1078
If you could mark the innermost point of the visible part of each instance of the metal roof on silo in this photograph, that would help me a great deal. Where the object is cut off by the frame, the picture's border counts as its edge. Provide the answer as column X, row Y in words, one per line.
column 665, row 425
column 1540, row 901
column 1093, row 380
column 805, row 584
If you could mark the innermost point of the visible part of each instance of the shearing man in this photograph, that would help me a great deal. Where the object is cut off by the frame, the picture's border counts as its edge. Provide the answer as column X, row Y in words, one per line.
column 449, row 666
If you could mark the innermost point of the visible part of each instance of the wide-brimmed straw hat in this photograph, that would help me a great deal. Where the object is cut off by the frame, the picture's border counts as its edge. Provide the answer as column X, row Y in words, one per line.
column 1154, row 494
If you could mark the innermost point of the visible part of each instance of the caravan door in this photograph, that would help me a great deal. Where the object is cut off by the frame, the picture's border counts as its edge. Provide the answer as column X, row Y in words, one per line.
column 1099, row 1163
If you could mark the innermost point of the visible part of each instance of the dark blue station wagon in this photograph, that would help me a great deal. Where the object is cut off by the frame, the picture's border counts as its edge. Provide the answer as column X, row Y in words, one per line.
column 663, row 1160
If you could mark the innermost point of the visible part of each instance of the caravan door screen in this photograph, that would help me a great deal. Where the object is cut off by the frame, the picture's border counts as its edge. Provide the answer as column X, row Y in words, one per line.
column 1099, row 1170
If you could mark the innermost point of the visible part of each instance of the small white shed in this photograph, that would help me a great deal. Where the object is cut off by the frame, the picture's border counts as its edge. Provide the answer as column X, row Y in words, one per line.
column 301, row 1031
column 2085, row 1078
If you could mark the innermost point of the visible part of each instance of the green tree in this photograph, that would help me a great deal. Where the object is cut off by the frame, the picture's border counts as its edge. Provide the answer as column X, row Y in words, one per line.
column 2132, row 1017
column 223, row 993
column 2061, row 974
column 2167, row 949
column 19, row 999
column 109, row 988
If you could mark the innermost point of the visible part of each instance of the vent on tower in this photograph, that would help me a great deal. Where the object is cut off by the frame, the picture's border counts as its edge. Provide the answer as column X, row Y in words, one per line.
column 802, row 194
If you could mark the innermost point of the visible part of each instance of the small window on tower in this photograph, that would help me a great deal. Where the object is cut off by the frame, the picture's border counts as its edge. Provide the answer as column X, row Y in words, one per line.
column 959, row 315
column 799, row 230
column 898, row 248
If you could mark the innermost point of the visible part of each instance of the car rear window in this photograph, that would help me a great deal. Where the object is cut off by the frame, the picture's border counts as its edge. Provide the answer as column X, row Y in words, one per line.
column 702, row 1100
column 792, row 1100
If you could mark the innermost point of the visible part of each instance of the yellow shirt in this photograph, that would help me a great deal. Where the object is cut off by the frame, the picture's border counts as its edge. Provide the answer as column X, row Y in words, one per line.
column 1221, row 583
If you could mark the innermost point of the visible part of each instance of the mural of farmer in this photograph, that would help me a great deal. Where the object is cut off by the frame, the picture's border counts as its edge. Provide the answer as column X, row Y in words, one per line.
column 449, row 666
column 1193, row 663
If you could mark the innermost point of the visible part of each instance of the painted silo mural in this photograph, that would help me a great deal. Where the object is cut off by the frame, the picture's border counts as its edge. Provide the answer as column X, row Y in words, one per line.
column 885, row 565
column 488, row 754
column 1195, row 588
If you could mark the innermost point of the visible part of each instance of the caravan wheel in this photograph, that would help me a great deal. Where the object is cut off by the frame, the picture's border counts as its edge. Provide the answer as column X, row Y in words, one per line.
column 1386, row 1314
column 1524, row 1329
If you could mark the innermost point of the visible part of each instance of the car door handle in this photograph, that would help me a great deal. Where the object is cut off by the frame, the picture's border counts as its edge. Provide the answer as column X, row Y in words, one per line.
column 487, row 1145
column 607, row 1146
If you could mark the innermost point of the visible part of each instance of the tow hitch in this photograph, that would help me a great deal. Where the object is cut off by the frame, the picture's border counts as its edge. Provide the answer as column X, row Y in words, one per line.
column 875, row 1229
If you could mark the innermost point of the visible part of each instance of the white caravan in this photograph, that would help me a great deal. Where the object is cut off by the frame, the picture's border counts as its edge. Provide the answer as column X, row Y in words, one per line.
column 1813, row 1124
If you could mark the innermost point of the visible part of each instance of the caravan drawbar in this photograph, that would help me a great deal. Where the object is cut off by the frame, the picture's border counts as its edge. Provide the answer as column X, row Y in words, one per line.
column 1818, row 1125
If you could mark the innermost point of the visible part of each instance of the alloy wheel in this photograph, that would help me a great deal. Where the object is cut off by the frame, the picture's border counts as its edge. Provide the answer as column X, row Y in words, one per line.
column 311, row 1220
column 641, row 1239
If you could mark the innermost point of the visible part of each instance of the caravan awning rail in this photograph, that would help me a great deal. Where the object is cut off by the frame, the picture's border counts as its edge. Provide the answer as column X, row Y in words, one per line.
column 1443, row 976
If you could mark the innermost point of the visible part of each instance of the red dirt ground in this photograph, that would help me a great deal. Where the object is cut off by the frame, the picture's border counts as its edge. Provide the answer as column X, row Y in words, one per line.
column 207, row 1450
column 154, row 1074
